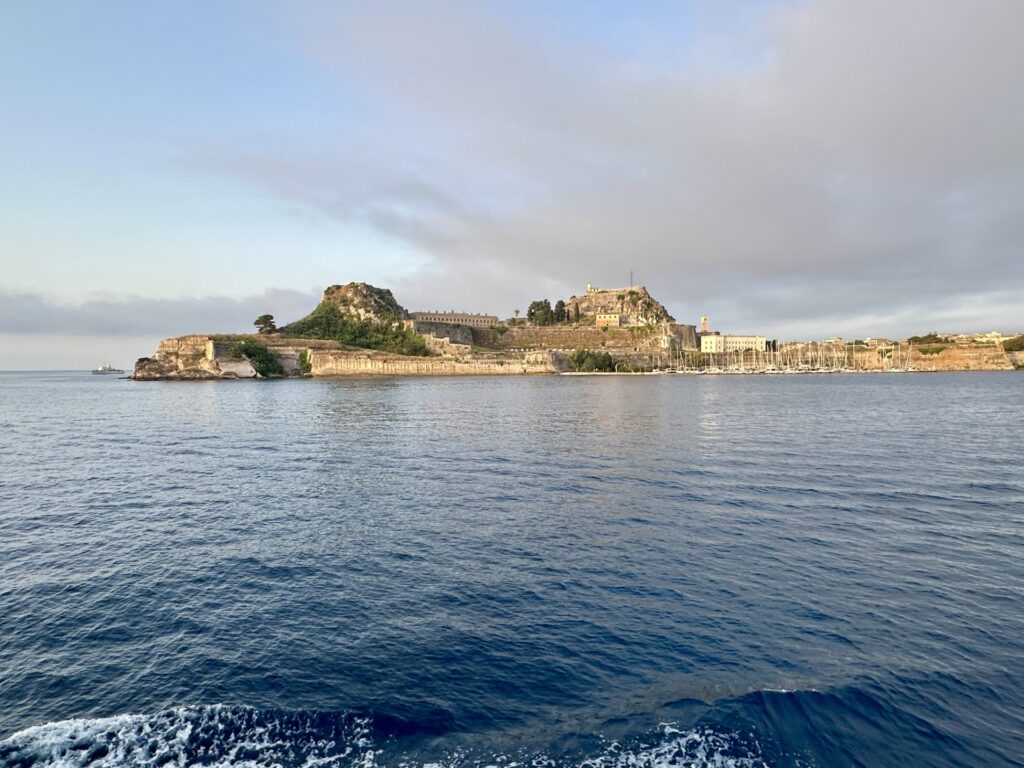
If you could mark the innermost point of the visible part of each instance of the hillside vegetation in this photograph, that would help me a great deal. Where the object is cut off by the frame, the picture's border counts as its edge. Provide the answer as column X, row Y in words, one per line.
column 1016, row 344
column 329, row 321
column 587, row 360
column 261, row 358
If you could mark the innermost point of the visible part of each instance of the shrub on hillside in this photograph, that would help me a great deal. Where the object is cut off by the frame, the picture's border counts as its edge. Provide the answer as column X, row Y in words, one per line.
column 305, row 366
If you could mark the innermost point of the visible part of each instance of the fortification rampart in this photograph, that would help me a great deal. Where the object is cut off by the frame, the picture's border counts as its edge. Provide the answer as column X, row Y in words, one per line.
column 442, row 346
column 456, row 334
column 185, row 346
column 287, row 354
column 336, row 363
column 622, row 340
column 209, row 357
column 206, row 357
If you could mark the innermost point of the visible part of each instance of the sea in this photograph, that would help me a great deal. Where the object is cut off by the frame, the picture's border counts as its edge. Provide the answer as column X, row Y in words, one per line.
column 512, row 572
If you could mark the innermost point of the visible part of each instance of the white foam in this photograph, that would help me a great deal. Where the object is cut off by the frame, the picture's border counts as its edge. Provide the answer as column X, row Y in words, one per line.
column 678, row 748
column 166, row 739
column 234, row 737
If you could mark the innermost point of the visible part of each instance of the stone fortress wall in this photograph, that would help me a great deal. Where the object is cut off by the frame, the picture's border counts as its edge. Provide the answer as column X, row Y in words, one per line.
column 660, row 338
column 456, row 334
column 335, row 363
column 204, row 357
column 208, row 357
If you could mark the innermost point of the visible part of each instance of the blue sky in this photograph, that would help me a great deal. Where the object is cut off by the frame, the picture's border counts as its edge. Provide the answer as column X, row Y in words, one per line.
column 110, row 101
column 799, row 169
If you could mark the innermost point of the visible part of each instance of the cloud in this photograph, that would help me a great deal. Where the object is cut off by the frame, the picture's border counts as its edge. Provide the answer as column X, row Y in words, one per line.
column 134, row 317
column 864, row 160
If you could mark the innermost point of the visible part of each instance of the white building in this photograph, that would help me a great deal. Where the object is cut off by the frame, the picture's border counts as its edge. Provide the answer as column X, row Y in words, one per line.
column 609, row 319
column 456, row 318
column 716, row 343
column 712, row 343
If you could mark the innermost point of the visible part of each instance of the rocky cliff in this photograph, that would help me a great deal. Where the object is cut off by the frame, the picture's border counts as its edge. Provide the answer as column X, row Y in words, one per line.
column 355, row 301
column 635, row 304
column 185, row 357
column 365, row 302
column 979, row 357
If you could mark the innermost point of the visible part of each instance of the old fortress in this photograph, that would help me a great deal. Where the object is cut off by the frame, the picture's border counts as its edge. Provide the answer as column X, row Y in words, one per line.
column 631, row 307
column 620, row 330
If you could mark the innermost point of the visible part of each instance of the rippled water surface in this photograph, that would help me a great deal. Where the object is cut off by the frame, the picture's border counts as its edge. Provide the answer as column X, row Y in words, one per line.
column 606, row 571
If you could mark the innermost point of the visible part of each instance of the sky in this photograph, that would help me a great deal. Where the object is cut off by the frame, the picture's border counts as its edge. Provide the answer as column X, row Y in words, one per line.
column 798, row 169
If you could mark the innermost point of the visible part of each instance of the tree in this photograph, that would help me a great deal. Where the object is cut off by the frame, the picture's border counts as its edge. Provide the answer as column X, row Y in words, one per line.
column 265, row 324
column 540, row 313
column 559, row 311
column 1016, row 344
column 586, row 360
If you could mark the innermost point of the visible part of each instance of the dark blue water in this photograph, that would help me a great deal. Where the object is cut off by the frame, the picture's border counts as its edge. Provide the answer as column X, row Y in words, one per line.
column 603, row 572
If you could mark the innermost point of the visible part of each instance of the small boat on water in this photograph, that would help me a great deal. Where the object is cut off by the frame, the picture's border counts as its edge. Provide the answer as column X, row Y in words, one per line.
column 105, row 369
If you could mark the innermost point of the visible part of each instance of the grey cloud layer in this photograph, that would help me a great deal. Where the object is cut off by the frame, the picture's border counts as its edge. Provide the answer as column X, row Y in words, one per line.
column 29, row 313
column 866, row 158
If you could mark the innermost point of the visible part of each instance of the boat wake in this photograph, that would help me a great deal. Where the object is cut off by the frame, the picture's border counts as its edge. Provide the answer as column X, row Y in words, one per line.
column 222, row 735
